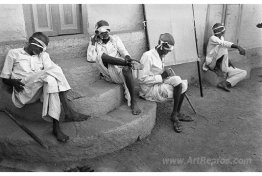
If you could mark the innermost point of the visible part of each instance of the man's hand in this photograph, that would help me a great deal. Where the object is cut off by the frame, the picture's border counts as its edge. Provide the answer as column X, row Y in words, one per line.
column 94, row 39
column 134, row 64
column 241, row 51
column 164, row 75
column 259, row 25
column 170, row 72
column 17, row 84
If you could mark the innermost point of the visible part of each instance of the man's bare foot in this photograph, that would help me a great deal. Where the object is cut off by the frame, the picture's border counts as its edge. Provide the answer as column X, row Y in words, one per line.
column 60, row 136
column 135, row 109
column 177, row 126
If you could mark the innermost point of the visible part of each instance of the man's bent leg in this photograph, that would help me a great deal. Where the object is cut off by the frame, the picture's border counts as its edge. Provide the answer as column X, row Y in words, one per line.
column 60, row 136
column 176, row 96
column 127, row 72
column 70, row 114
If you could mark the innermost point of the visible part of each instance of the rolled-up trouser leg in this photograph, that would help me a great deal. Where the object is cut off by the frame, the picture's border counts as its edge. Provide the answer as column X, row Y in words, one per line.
column 236, row 75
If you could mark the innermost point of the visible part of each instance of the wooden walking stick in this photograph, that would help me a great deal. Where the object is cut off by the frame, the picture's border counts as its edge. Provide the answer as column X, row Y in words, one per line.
column 25, row 129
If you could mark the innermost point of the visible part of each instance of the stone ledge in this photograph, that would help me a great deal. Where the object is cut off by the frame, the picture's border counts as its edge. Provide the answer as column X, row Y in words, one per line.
column 97, row 99
column 88, row 139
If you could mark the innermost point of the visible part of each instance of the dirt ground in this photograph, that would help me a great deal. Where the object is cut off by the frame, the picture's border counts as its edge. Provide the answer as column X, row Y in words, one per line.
column 225, row 136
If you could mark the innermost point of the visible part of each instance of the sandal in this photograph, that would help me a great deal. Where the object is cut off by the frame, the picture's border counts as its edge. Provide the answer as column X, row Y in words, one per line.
column 223, row 86
column 184, row 118
column 177, row 126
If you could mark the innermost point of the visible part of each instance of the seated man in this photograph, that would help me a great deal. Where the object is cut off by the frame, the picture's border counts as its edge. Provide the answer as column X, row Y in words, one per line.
column 113, row 61
column 217, row 58
column 32, row 75
column 158, row 84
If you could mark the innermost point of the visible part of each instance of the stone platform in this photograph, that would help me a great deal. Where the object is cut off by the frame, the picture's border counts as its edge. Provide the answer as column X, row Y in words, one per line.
column 88, row 139
column 112, row 126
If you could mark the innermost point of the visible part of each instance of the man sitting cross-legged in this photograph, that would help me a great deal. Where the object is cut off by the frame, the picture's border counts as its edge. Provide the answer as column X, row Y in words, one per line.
column 32, row 75
column 158, row 84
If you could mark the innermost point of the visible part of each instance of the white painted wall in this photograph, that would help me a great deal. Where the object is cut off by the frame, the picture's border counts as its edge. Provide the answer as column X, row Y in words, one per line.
column 120, row 17
column 12, row 23
column 250, row 36
column 200, row 20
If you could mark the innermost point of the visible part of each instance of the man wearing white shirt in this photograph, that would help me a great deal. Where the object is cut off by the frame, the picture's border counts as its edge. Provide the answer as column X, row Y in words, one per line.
column 158, row 84
column 217, row 58
column 32, row 75
column 113, row 61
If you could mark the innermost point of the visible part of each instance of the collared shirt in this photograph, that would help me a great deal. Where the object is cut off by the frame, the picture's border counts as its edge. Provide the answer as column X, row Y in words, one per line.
column 214, row 48
column 114, row 47
column 19, row 64
column 153, row 68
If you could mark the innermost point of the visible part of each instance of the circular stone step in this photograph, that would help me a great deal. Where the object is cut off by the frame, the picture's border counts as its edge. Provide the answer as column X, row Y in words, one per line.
column 88, row 139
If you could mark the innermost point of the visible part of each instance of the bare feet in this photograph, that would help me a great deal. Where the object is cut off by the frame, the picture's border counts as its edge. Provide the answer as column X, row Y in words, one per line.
column 176, row 123
column 177, row 126
column 60, row 136
column 135, row 109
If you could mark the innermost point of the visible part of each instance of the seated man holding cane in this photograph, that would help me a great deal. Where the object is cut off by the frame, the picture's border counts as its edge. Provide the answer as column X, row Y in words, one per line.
column 32, row 75
column 159, row 84
column 113, row 61
column 217, row 59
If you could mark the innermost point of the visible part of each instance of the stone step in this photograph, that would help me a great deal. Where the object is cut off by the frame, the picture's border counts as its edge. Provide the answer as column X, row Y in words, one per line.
column 78, row 71
column 88, row 139
column 96, row 99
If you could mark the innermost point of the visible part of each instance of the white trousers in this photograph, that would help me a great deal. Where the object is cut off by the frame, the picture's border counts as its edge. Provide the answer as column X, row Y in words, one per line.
column 235, row 75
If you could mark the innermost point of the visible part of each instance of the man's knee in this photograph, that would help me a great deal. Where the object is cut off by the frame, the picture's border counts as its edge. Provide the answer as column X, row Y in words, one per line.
column 178, row 87
column 174, row 80
column 51, row 80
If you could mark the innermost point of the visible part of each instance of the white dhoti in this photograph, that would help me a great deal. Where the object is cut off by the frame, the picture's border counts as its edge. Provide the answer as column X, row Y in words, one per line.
column 163, row 91
column 113, row 74
column 46, row 85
